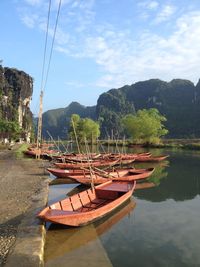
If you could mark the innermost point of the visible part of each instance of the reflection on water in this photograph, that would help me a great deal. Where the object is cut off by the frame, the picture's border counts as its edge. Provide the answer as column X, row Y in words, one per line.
column 163, row 229
column 66, row 238
column 62, row 239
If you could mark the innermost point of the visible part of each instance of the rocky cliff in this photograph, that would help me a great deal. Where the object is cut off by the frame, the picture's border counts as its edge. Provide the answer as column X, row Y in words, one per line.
column 16, row 88
column 178, row 101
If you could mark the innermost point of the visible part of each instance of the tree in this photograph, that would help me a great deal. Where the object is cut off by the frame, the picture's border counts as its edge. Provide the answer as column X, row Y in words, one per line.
column 146, row 126
column 85, row 129
column 10, row 129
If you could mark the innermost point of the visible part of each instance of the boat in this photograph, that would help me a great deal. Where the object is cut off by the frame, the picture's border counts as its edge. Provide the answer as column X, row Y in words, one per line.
column 96, row 157
column 88, row 205
column 67, row 239
column 44, row 153
column 116, row 173
column 130, row 156
column 76, row 157
column 66, row 173
column 125, row 176
column 151, row 158
column 101, row 163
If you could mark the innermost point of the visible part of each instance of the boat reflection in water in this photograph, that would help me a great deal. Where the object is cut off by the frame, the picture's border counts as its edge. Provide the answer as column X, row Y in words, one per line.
column 62, row 239
column 144, row 185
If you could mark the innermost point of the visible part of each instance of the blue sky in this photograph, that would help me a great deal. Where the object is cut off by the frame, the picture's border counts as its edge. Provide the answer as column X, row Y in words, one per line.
column 100, row 44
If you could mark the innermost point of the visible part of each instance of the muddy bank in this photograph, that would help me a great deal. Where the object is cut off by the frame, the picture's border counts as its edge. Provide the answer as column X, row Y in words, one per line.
column 22, row 181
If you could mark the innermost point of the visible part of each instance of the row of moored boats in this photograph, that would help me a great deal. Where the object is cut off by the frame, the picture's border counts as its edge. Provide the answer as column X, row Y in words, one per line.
column 111, row 179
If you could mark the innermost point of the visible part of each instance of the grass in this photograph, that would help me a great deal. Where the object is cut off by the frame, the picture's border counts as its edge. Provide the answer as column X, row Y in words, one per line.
column 19, row 151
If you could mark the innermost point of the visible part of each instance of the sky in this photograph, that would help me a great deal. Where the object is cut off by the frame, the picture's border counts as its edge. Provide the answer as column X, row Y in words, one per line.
column 99, row 45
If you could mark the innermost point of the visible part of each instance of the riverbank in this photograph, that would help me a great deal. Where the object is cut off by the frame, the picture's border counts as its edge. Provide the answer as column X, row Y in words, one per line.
column 190, row 144
column 23, row 192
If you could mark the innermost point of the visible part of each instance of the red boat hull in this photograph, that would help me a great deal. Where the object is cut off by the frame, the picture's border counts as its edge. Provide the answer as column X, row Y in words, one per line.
column 86, row 164
column 131, row 175
column 151, row 159
column 88, row 206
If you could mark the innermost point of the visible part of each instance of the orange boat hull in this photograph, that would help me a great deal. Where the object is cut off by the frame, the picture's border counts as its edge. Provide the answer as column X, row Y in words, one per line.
column 86, row 164
column 88, row 206
column 151, row 159
column 129, row 176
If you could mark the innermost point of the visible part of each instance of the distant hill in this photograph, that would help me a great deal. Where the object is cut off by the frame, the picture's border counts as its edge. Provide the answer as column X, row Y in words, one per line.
column 56, row 121
column 178, row 100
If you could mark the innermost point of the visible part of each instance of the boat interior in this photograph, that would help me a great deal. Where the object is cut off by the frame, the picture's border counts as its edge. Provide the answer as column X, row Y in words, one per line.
column 89, row 200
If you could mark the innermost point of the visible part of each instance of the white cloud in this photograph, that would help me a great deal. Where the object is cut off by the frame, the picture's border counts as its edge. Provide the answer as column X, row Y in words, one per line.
column 30, row 21
column 165, row 14
column 124, row 58
column 151, row 5
column 151, row 56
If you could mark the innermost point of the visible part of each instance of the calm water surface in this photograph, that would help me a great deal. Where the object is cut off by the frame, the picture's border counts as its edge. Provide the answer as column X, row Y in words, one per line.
column 160, row 226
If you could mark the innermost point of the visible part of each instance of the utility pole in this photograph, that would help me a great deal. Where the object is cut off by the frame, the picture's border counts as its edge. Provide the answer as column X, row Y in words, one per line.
column 39, row 132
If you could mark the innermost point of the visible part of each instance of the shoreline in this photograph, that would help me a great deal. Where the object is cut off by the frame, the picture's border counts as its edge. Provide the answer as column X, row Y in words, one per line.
column 190, row 144
column 24, row 191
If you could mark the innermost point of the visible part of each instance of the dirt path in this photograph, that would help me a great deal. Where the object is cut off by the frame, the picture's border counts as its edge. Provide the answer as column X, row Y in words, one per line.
column 20, row 180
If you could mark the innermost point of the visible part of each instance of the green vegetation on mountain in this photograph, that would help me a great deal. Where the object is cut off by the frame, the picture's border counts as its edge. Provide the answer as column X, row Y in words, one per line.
column 10, row 129
column 16, row 88
column 57, row 121
column 111, row 107
column 178, row 101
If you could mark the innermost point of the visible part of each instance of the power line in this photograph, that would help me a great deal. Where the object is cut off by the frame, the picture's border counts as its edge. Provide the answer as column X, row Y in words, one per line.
column 45, row 47
column 39, row 134
column 45, row 51
column 43, row 84
column 54, row 35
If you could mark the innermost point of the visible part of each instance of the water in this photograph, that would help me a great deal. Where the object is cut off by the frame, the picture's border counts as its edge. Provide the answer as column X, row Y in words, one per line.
column 159, row 226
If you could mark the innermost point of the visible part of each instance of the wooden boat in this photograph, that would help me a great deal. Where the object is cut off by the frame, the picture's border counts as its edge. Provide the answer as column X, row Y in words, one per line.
column 66, row 173
column 89, row 205
column 80, row 173
column 103, row 156
column 125, row 176
column 125, row 161
column 44, row 153
column 130, row 156
column 76, row 157
column 96, row 162
column 101, row 163
column 66, row 239
column 151, row 159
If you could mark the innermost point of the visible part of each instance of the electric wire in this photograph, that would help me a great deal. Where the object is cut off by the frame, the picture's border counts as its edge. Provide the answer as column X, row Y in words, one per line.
column 52, row 45
column 45, row 52
column 45, row 47
column 43, row 85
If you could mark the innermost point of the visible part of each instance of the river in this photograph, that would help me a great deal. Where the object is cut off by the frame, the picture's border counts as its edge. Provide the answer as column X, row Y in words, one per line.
column 159, row 226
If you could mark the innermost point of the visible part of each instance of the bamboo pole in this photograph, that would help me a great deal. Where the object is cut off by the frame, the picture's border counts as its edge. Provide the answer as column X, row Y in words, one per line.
column 79, row 151
column 90, row 168
column 39, row 130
